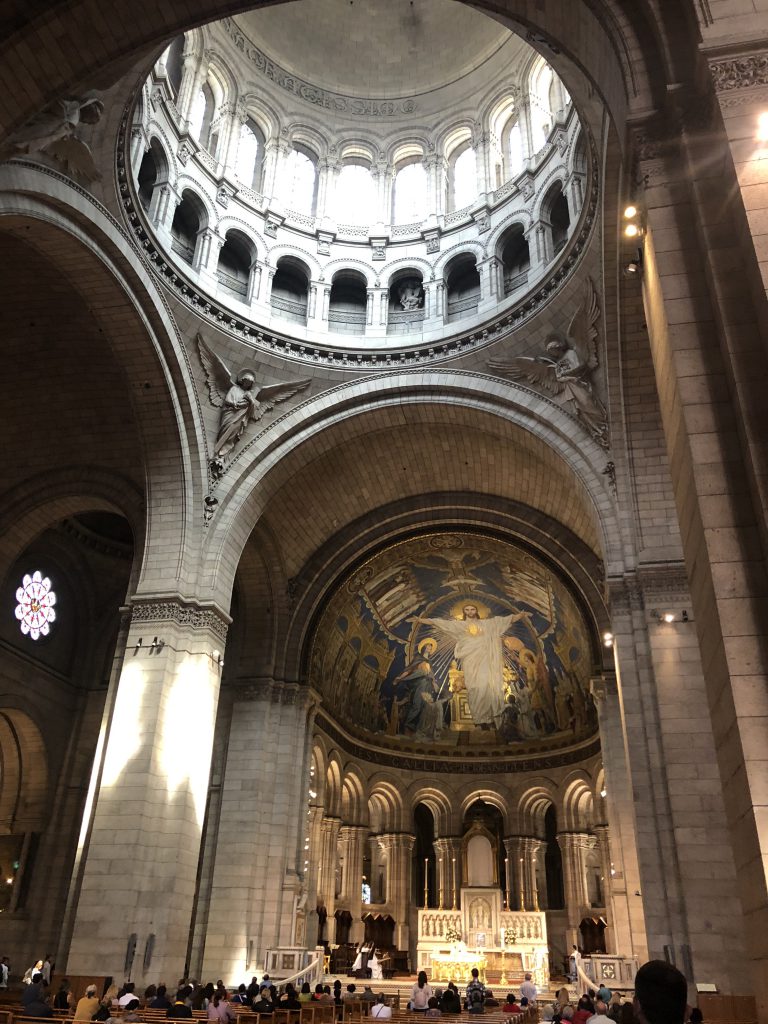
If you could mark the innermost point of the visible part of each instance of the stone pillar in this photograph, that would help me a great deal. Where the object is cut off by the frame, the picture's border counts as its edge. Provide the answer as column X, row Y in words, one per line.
column 531, row 848
column 705, row 313
column 328, row 172
column 448, row 858
column 483, row 171
column 150, row 789
column 326, row 301
column 162, row 209
column 326, row 885
column 573, row 846
column 254, row 282
column 352, row 840
column 229, row 138
column 601, row 835
column 625, row 911
column 258, row 877
column 397, row 848
column 193, row 75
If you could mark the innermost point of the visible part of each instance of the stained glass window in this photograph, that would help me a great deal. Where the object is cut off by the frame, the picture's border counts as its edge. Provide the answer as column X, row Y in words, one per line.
column 35, row 610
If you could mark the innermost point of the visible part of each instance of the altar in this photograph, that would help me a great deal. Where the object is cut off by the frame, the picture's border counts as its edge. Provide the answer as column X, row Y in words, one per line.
column 502, row 944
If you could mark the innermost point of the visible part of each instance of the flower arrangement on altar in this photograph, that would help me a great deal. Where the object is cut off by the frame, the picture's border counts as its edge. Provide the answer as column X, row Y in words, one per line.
column 509, row 937
column 453, row 935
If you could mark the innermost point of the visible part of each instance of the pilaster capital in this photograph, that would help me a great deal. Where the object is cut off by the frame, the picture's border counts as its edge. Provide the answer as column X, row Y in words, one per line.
column 187, row 613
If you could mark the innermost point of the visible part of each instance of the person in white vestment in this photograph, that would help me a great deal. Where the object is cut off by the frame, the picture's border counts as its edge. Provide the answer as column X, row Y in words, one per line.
column 377, row 974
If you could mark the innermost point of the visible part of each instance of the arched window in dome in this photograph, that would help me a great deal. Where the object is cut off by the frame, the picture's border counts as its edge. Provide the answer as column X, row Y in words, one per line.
column 348, row 303
column 462, row 177
column 290, row 290
column 301, row 180
column 515, row 259
column 235, row 260
column 514, row 153
column 355, row 200
column 250, row 154
column 173, row 59
column 542, row 114
column 201, row 114
column 555, row 211
column 410, row 193
column 187, row 223
column 462, row 289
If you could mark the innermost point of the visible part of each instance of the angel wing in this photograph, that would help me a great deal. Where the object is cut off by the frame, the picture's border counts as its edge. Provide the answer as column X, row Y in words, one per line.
column 217, row 376
column 269, row 396
column 75, row 157
column 540, row 372
column 582, row 330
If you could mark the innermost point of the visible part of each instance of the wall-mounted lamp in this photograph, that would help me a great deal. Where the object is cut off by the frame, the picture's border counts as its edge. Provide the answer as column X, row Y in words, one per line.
column 603, row 792
column 218, row 659
column 607, row 639
column 762, row 128
column 634, row 267
column 668, row 617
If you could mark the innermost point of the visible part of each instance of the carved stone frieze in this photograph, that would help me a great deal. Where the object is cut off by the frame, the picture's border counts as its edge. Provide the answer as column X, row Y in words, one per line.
column 358, row 106
column 484, row 764
column 743, row 72
column 180, row 612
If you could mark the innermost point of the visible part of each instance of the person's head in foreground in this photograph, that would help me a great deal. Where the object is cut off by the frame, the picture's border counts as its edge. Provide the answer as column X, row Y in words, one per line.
column 661, row 994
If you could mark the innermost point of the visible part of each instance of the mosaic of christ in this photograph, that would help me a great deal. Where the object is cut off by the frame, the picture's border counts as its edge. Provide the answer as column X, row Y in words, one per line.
column 455, row 639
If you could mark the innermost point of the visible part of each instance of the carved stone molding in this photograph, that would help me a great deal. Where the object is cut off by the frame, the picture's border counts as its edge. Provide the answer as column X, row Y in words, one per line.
column 274, row 691
column 743, row 72
column 183, row 613
column 483, row 764
column 356, row 105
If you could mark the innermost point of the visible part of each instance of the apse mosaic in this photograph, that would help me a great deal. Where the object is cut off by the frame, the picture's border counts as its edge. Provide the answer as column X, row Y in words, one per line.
column 455, row 639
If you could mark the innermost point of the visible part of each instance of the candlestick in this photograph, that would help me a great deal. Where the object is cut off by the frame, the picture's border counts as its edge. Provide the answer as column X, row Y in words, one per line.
column 506, row 883
column 440, row 883
column 454, row 884
column 522, row 898
column 426, row 882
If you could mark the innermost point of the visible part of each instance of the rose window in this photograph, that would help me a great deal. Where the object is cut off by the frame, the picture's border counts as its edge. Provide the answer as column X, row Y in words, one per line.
column 35, row 610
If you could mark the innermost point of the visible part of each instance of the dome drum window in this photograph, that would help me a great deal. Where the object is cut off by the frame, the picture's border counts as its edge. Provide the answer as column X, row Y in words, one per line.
column 347, row 309
column 234, row 266
column 462, row 287
column 371, row 193
column 289, row 299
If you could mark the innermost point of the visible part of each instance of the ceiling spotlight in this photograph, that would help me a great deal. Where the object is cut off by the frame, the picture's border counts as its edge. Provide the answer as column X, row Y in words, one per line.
column 630, row 212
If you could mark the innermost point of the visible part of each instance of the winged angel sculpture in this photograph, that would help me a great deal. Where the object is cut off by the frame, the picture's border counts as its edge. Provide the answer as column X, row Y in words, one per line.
column 54, row 131
column 239, row 403
column 565, row 371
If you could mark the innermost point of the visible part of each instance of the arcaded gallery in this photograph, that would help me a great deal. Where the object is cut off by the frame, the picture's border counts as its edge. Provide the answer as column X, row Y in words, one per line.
column 384, row 526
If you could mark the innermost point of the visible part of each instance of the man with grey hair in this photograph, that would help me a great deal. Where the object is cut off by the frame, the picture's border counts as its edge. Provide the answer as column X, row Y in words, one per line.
column 528, row 990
